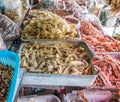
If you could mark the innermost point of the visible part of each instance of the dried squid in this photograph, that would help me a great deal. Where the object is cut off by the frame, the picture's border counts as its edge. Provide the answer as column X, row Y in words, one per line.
column 49, row 26
column 55, row 58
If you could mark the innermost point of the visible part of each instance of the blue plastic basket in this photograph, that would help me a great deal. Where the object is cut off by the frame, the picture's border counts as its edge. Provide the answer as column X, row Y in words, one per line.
column 11, row 59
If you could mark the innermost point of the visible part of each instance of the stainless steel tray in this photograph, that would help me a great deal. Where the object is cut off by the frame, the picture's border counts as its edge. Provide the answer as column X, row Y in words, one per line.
column 32, row 79
column 19, row 83
column 37, row 79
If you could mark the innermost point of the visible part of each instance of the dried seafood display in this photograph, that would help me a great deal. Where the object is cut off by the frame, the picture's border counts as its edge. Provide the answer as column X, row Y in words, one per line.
column 97, row 40
column 55, row 58
column 109, row 68
column 49, row 26
column 6, row 74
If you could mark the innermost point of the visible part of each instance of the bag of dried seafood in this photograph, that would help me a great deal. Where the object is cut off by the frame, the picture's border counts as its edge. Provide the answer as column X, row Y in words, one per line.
column 95, row 21
column 13, row 9
column 8, row 29
column 45, row 4
column 25, row 4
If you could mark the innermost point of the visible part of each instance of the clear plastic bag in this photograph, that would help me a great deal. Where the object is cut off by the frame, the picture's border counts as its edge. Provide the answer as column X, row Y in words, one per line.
column 13, row 9
column 25, row 4
column 8, row 29
column 78, row 10
column 2, row 44
column 93, row 19
column 43, row 98
column 45, row 4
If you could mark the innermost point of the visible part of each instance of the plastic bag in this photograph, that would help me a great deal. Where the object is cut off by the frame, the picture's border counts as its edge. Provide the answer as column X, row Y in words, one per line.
column 43, row 98
column 13, row 9
column 8, row 29
column 2, row 44
column 107, row 19
column 72, row 6
column 25, row 4
column 45, row 4
column 88, row 96
column 95, row 21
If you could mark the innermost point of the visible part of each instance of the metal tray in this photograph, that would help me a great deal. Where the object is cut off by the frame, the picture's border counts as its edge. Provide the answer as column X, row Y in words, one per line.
column 19, row 83
column 60, row 79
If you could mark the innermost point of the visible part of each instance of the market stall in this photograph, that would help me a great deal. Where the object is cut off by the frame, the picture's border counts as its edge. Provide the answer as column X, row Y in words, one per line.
column 64, row 52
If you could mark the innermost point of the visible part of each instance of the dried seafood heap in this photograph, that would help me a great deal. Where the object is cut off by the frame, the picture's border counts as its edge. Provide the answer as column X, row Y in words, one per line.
column 55, row 58
column 49, row 26
column 6, row 74
column 109, row 69
column 97, row 40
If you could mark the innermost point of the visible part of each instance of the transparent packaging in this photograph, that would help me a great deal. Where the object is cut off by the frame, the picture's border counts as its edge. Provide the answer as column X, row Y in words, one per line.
column 43, row 98
column 8, row 29
column 13, row 9
column 25, row 4
column 2, row 44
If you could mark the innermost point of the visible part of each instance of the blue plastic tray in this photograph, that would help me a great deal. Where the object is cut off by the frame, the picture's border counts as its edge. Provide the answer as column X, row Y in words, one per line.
column 11, row 59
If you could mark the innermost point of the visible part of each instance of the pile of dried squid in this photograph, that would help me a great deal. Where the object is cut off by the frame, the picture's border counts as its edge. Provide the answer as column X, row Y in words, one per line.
column 55, row 59
column 47, row 25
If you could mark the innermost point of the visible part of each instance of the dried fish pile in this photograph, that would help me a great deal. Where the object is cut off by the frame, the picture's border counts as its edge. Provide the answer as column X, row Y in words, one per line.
column 49, row 26
column 109, row 68
column 6, row 74
column 55, row 59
